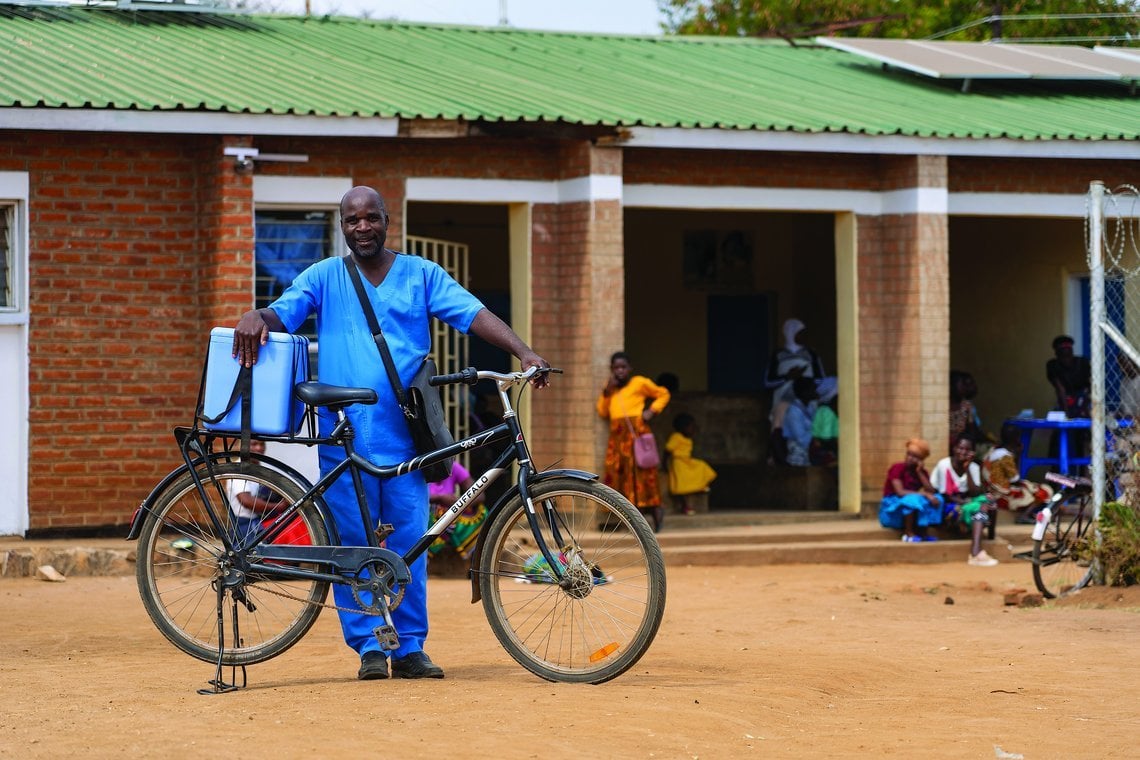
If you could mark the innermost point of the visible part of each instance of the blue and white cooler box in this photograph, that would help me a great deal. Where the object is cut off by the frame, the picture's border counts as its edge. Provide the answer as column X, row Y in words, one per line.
column 281, row 364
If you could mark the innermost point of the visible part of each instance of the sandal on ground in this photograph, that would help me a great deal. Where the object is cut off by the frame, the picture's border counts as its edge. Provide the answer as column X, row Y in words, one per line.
column 911, row 539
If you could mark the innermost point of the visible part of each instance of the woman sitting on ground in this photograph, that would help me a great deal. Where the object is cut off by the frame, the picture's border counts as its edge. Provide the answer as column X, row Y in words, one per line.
column 959, row 480
column 910, row 503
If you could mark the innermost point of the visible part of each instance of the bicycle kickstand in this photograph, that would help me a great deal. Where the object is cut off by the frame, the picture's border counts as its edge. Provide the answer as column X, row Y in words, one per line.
column 220, row 686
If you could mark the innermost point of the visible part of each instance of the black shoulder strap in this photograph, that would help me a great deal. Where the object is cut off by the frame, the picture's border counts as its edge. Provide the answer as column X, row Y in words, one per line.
column 377, row 334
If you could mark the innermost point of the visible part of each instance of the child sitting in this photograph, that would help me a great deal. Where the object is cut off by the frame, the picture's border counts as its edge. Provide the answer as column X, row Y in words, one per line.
column 824, row 448
column 1007, row 488
column 687, row 475
column 910, row 503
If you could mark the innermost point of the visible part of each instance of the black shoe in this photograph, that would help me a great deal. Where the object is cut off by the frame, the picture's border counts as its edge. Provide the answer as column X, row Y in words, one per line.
column 373, row 666
column 415, row 665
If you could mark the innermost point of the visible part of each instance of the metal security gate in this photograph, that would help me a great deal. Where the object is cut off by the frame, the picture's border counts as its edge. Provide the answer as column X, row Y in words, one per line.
column 1113, row 224
column 448, row 347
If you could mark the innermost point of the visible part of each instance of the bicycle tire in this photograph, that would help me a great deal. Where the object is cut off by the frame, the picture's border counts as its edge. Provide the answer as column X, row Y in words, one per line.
column 1060, row 564
column 600, row 625
column 178, row 560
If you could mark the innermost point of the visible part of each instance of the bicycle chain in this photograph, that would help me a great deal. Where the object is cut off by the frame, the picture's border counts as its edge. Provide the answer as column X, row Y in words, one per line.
column 327, row 605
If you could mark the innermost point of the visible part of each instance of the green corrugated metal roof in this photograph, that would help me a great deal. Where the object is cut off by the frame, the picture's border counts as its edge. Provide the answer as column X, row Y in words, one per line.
column 150, row 60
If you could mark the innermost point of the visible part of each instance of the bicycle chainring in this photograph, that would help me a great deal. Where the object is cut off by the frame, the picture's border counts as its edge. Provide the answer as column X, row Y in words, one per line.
column 374, row 586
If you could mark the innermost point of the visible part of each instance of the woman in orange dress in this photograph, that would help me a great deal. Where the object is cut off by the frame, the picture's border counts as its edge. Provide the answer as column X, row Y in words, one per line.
column 624, row 403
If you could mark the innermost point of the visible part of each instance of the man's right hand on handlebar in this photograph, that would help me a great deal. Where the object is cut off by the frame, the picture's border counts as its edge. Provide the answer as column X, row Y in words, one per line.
column 531, row 359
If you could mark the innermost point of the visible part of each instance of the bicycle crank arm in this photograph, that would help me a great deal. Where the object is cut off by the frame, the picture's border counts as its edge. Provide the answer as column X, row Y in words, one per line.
column 343, row 559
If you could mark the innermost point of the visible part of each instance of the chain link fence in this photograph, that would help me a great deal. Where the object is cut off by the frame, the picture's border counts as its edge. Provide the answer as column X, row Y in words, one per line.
column 1113, row 238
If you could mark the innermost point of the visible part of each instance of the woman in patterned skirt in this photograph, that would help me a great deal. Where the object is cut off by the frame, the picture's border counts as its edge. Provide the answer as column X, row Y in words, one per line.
column 624, row 403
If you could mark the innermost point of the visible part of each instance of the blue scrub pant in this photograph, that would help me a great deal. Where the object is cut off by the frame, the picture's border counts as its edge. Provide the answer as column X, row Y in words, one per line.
column 403, row 502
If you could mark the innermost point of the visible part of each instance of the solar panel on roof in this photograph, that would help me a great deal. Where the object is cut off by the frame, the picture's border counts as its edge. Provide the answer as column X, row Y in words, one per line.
column 985, row 60
column 1129, row 54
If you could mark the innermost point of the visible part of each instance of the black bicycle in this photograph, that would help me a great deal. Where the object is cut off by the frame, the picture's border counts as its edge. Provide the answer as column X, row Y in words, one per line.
column 1063, row 558
column 570, row 575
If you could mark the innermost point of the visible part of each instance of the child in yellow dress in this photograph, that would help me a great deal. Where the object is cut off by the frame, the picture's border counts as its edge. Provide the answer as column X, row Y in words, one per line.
column 687, row 475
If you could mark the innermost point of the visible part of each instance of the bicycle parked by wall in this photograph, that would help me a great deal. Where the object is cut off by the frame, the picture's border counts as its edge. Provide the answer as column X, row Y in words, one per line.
column 1062, row 554
column 571, row 578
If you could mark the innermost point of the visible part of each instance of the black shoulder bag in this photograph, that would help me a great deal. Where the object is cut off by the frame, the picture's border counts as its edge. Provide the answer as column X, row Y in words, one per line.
column 423, row 411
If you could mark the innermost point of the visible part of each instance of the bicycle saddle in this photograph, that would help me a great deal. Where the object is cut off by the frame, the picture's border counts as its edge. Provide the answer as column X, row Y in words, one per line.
column 333, row 396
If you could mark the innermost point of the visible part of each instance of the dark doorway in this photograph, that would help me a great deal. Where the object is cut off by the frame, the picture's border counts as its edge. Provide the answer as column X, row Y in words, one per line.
column 735, row 321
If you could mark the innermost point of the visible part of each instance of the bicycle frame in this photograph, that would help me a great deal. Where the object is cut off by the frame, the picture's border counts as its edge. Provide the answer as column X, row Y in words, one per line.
column 265, row 557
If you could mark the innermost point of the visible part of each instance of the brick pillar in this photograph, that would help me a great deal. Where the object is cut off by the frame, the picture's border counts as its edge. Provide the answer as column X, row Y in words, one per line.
column 904, row 318
column 579, row 304
column 226, row 262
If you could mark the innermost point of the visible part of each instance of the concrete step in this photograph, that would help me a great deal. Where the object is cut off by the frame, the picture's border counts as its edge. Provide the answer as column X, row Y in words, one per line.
column 859, row 542
column 21, row 558
column 687, row 540
column 844, row 552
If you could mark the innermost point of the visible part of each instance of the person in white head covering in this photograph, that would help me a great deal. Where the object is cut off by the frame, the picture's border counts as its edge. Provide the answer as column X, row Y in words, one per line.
column 792, row 361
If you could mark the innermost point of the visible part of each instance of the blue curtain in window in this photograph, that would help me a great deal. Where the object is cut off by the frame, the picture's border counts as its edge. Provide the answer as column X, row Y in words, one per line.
column 284, row 250
column 1114, row 310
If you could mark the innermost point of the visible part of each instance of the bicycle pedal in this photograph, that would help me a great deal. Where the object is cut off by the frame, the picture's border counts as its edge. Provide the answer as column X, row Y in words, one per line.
column 387, row 637
column 383, row 531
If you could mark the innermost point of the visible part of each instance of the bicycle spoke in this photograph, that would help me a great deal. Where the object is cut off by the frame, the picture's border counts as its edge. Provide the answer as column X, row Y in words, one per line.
column 599, row 619
column 179, row 565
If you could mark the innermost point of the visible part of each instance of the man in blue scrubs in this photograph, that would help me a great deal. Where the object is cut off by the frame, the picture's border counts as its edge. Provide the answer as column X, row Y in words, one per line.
column 405, row 292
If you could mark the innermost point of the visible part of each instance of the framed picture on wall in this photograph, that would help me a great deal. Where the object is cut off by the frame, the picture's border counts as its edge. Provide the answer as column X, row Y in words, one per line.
column 717, row 260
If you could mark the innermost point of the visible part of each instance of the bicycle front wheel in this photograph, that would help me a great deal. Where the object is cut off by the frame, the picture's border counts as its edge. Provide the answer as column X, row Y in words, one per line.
column 1062, row 558
column 180, row 564
column 601, row 618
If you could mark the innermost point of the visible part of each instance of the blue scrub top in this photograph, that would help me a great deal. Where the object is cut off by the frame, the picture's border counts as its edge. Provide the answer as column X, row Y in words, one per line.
column 414, row 290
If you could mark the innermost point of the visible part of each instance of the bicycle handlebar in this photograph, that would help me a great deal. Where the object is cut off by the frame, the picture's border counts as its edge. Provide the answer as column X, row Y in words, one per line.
column 470, row 376
column 1066, row 481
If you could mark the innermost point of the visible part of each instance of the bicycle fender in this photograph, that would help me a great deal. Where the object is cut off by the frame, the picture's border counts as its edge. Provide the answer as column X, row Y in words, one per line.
column 1043, row 519
column 506, row 497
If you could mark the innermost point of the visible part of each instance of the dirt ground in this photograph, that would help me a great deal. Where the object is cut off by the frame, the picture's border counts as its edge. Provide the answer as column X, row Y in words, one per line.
column 778, row 661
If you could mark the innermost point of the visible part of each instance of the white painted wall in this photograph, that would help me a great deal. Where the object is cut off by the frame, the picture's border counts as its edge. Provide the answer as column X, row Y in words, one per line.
column 14, row 369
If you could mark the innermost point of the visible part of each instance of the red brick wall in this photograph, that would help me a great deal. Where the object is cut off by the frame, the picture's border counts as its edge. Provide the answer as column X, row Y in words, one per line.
column 737, row 168
column 114, row 318
column 225, row 243
column 1012, row 175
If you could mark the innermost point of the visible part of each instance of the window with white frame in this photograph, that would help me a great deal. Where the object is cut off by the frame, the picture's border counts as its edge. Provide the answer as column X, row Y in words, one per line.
column 9, row 300
column 296, row 223
column 287, row 241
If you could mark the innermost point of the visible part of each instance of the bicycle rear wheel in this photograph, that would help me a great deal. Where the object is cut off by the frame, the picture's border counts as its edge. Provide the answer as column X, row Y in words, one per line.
column 602, row 618
column 1062, row 558
column 178, row 568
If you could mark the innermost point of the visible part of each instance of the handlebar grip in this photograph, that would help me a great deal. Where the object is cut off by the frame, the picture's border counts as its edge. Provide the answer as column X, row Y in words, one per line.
column 468, row 376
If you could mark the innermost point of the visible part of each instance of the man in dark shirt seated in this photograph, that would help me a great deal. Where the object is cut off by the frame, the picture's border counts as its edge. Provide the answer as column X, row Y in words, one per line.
column 1071, row 378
